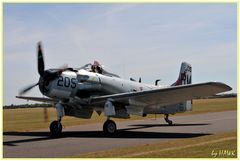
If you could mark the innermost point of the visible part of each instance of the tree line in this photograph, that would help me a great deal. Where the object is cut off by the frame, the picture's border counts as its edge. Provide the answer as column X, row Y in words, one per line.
column 35, row 105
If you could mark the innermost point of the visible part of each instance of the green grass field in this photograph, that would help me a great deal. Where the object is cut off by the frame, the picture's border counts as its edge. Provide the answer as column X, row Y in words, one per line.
column 213, row 146
column 32, row 119
column 213, row 105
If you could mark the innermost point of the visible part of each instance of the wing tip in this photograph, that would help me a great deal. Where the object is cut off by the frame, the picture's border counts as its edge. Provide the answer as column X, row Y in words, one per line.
column 222, row 85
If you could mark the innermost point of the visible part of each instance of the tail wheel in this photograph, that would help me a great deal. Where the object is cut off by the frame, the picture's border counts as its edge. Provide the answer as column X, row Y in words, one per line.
column 170, row 123
column 55, row 128
column 109, row 127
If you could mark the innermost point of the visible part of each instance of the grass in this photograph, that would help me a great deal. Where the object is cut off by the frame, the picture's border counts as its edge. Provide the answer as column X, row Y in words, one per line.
column 32, row 119
column 213, row 105
column 212, row 146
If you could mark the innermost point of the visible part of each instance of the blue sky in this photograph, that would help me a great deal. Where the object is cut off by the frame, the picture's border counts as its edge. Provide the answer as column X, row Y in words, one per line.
column 132, row 40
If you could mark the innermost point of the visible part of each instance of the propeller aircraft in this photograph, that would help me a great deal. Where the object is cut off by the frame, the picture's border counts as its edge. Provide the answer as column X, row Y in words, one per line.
column 78, row 92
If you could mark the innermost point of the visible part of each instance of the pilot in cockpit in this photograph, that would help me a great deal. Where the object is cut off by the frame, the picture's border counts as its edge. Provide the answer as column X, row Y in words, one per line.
column 96, row 67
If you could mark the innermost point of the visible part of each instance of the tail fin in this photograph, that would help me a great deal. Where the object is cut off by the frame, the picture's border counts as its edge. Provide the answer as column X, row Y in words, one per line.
column 185, row 75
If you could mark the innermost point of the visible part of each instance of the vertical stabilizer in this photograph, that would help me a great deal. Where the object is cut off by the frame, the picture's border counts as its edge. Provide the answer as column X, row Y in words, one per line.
column 185, row 75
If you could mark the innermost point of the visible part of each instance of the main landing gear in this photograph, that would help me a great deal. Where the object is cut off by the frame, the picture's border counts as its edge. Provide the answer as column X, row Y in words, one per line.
column 167, row 120
column 56, row 128
column 109, row 127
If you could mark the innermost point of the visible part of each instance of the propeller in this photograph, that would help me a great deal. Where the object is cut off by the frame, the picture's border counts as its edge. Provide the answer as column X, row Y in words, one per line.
column 41, row 67
column 45, row 75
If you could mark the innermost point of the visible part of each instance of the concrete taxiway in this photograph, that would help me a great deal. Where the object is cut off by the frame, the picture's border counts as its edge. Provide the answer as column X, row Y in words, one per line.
column 90, row 138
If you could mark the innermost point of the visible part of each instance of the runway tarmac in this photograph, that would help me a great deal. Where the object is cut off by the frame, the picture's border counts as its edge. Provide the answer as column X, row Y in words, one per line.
column 90, row 138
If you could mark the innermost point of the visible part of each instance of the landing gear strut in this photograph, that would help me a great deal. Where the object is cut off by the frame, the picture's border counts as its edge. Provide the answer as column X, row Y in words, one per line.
column 167, row 120
column 109, row 127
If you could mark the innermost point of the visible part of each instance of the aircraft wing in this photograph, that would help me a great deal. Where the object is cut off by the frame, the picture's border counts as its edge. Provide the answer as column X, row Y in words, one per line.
column 166, row 96
column 163, row 96
column 39, row 99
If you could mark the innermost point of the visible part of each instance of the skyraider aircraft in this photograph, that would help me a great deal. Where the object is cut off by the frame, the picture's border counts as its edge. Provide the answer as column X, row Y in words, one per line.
column 80, row 91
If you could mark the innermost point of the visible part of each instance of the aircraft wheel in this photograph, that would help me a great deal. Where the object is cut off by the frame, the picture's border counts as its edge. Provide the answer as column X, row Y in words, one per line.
column 170, row 123
column 109, row 127
column 55, row 128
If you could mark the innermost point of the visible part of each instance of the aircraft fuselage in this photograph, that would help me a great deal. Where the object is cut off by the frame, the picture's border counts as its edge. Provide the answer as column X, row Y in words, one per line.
column 84, row 84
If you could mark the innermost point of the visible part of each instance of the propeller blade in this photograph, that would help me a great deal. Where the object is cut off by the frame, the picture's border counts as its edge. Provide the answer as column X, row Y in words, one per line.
column 40, row 60
column 27, row 89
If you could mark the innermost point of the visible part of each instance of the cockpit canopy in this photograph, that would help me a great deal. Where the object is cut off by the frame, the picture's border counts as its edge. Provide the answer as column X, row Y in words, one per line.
column 96, row 67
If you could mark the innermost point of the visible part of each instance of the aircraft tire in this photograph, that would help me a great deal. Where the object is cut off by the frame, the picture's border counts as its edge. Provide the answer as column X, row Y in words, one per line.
column 55, row 128
column 109, row 127
column 170, row 123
